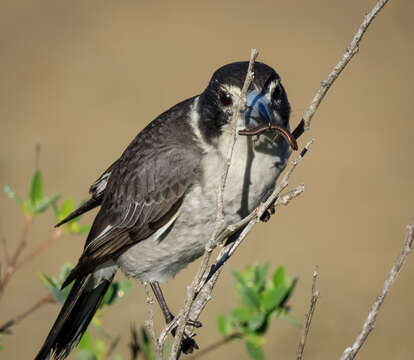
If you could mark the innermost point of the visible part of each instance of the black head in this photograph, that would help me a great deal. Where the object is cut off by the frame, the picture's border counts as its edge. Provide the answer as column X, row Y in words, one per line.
column 266, row 98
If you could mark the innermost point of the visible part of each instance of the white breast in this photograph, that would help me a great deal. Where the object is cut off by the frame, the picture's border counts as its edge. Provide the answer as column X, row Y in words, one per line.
column 251, row 175
column 253, row 171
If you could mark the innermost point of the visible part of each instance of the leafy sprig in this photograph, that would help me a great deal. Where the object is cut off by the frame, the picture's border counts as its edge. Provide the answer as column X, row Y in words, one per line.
column 262, row 299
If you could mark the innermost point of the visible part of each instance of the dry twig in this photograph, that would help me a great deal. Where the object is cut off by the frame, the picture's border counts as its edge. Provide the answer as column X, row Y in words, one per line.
column 11, row 262
column 368, row 325
column 346, row 58
column 225, row 340
column 238, row 107
column 205, row 289
column 308, row 316
column 193, row 307
column 48, row 299
column 149, row 324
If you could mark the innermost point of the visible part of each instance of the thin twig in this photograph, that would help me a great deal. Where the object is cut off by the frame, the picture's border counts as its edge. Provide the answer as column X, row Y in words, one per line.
column 5, row 250
column 48, row 299
column 308, row 316
column 11, row 265
column 238, row 107
column 111, row 348
column 285, row 199
column 255, row 215
column 149, row 323
column 23, row 240
column 205, row 291
column 214, row 346
column 351, row 351
column 39, row 249
column 348, row 55
column 167, row 329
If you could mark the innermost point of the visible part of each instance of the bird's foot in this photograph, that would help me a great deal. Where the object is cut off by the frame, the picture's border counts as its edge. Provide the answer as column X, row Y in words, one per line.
column 195, row 323
column 188, row 344
column 267, row 214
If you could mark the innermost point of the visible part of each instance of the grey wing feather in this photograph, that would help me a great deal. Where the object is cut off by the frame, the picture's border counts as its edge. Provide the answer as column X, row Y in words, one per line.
column 144, row 190
column 139, row 209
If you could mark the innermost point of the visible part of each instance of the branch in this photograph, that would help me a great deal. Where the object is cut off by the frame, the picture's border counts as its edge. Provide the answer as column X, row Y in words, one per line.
column 39, row 249
column 346, row 58
column 308, row 316
column 205, row 289
column 11, row 262
column 149, row 324
column 238, row 107
column 351, row 351
column 193, row 307
column 214, row 346
column 48, row 299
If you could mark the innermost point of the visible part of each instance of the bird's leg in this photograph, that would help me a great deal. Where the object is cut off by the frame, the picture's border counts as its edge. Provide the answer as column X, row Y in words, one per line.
column 187, row 344
column 155, row 286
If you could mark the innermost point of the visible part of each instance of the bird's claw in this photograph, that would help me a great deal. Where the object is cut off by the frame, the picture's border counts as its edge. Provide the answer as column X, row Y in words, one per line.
column 188, row 344
column 267, row 214
column 197, row 324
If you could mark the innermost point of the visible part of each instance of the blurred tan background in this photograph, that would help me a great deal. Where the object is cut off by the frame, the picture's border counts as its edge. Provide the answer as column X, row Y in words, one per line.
column 83, row 77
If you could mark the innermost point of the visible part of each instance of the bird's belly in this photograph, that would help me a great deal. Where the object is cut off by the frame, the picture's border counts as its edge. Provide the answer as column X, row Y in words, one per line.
column 161, row 256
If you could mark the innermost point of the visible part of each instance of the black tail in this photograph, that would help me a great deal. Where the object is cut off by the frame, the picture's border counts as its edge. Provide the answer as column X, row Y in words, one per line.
column 74, row 318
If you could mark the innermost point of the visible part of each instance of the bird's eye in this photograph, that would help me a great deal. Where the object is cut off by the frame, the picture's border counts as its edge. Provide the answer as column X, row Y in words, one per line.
column 225, row 98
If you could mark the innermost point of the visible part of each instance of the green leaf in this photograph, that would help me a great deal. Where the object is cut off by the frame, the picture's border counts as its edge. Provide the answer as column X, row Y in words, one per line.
column 116, row 291
column 96, row 318
column 254, row 349
column 87, row 350
column 249, row 296
column 64, row 272
column 54, row 285
column 256, row 321
column 100, row 348
column 283, row 316
column 224, row 325
column 86, row 341
column 47, row 281
column 290, row 284
column 243, row 315
column 72, row 226
column 67, row 207
column 273, row 297
column 26, row 207
column 279, row 276
column 261, row 273
column 44, row 203
column 36, row 188
column 84, row 229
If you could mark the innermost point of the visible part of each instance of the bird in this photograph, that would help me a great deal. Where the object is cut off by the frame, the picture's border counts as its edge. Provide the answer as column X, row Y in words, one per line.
column 158, row 200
